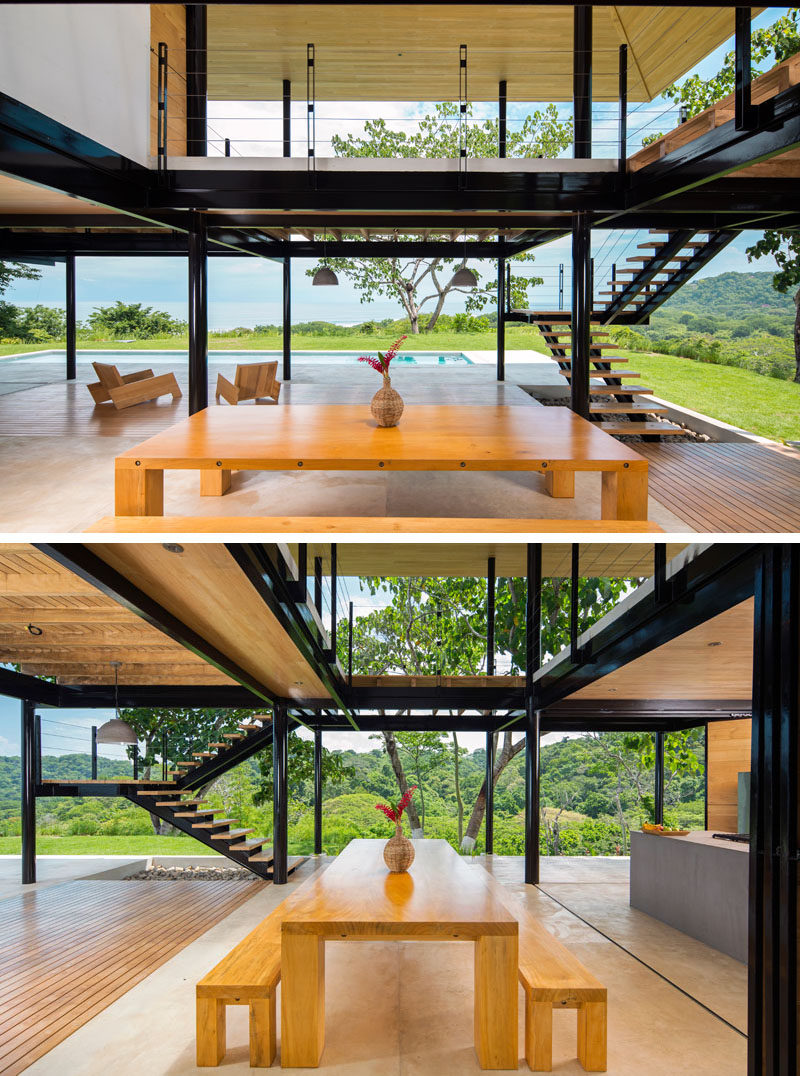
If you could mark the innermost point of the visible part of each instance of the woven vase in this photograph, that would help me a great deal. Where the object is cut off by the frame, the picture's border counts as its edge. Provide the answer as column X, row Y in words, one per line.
column 387, row 404
column 398, row 854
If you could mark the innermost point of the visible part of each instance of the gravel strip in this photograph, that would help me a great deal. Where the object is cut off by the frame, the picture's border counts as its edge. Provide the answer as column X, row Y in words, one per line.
column 193, row 874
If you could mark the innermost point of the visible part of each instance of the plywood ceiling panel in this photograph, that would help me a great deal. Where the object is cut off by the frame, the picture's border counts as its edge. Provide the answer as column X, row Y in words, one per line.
column 204, row 587
column 77, row 632
column 713, row 661
column 619, row 560
column 410, row 52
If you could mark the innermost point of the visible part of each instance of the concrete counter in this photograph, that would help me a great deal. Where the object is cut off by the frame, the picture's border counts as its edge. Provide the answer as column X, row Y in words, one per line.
column 696, row 884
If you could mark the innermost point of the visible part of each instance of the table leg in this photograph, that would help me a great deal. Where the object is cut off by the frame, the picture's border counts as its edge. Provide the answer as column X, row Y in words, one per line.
column 138, row 491
column 624, row 495
column 210, row 1032
column 496, row 990
column 560, row 483
column 302, row 1000
column 214, row 482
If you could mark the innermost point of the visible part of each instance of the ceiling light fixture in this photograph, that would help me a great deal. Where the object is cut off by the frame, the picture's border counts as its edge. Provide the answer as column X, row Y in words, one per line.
column 34, row 630
column 324, row 275
column 463, row 277
column 116, row 730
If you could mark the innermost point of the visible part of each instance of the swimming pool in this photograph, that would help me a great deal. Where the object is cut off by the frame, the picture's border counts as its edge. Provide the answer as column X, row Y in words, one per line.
column 299, row 358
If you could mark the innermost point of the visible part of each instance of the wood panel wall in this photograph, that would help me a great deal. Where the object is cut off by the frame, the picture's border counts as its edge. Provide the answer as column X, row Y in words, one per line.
column 728, row 756
column 168, row 23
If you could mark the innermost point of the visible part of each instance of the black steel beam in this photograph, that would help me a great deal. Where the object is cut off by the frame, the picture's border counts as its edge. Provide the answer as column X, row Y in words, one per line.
column 488, row 825
column 622, row 134
column 287, row 319
column 532, row 764
column 28, row 791
column 198, row 314
column 522, row 4
column 501, row 311
column 713, row 580
column 15, row 685
column 87, row 565
column 287, row 118
column 56, row 789
column 744, row 113
column 658, row 780
column 581, row 314
column 191, row 696
column 773, row 958
column 436, row 697
column 280, row 796
column 196, row 80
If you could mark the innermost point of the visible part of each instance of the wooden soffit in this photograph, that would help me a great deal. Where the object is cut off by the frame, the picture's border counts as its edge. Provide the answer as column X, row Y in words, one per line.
column 205, row 588
column 411, row 52
column 712, row 661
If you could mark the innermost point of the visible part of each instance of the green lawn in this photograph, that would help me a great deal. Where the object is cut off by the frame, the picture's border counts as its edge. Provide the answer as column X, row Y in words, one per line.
column 108, row 846
column 762, row 405
column 517, row 338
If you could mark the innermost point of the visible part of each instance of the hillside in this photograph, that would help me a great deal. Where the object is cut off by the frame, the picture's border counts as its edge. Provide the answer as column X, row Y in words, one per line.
column 733, row 295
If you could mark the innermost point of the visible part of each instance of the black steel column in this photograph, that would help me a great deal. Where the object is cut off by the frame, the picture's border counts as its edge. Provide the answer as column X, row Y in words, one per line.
column 287, row 118
column 196, row 80
column 581, row 313
column 318, row 792
column 287, row 319
column 488, row 826
column 501, row 310
column 502, row 100
column 72, row 345
column 533, row 629
column 772, row 966
column 491, row 584
column 574, row 623
column 198, row 313
column 582, row 80
column 334, row 575
column 658, row 797
column 94, row 753
column 28, row 784
column 622, row 151
column 280, row 795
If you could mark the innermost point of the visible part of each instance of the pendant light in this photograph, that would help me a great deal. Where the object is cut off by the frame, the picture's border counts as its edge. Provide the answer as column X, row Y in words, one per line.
column 324, row 275
column 464, row 278
column 116, row 730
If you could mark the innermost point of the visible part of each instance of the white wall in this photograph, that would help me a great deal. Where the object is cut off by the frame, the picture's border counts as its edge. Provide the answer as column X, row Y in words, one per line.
column 86, row 65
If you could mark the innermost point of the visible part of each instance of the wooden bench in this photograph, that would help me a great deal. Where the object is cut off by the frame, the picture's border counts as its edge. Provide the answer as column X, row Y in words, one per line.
column 362, row 525
column 248, row 975
column 554, row 978
column 125, row 390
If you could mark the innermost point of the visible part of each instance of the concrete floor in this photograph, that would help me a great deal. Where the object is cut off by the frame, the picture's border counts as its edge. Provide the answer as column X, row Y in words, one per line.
column 57, row 452
column 405, row 1009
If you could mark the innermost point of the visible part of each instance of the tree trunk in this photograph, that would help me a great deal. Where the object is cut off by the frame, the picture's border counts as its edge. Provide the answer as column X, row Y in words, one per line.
column 797, row 337
column 479, row 810
column 402, row 783
column 459, row 800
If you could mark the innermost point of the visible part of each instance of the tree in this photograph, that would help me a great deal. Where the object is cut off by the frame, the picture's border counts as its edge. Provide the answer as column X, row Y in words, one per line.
column 419, row 282
column 9, row 272
column 132, row 320
column 779, row 41
column 300, row 769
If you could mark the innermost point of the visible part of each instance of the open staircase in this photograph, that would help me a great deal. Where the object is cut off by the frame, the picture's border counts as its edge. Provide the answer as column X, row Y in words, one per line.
column 176, row 802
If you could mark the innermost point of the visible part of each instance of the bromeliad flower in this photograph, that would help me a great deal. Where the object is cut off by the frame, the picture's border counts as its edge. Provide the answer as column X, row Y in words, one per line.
column 381, row 364
column 394, row 814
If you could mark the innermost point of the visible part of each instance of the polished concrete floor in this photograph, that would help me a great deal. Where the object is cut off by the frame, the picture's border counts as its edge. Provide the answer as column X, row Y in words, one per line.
column 57, row 452
column 405, row 1009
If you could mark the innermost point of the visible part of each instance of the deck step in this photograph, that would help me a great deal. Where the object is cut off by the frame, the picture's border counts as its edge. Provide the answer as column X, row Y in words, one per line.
column 619, row 408
column 247, row 846
column 215, row 823
column 631, row 428
column 231, row 835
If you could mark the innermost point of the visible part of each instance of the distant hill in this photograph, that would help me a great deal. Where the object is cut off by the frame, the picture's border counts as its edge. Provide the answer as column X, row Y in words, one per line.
column 733, row 295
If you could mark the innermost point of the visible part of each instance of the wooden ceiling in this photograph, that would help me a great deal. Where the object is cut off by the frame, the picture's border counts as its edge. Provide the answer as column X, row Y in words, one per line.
column 204, row 587
column 713, row 661
column 410, row 52
column 82, row 630
column 609, row 560
column 16, row 196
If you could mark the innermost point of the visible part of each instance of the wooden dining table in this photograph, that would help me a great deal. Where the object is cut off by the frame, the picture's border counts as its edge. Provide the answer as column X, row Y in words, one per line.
column 441, row 897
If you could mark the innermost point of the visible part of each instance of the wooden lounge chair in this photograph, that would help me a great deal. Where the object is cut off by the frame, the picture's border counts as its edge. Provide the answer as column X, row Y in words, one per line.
column 253, row 381
column 124, row 390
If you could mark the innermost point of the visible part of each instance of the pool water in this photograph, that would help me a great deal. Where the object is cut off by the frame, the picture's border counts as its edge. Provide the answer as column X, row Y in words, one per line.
column 299, row 358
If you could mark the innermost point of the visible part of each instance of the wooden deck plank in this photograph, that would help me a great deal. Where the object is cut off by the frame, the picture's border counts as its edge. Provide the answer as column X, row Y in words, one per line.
column 735, row 486
column 83, row 949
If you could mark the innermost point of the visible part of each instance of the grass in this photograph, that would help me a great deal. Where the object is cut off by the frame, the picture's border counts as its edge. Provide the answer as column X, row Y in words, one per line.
column 517, row 338
column 762, row 405
column 81, row 845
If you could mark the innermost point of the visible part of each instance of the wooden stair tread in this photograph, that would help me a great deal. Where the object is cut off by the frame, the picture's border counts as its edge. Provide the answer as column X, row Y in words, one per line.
column 631, row 428
column 622, row 390
column 203, row 754
column 605, row 358
column 233, row 735
column 218, row 745
column 245, row 846
column 607, row 373
column 250, row 728
column 231, row 835
column 178, row 803
column 215, row 823
column 619, row 408
column 203, row 812
column 186, row 765
column 161, row 792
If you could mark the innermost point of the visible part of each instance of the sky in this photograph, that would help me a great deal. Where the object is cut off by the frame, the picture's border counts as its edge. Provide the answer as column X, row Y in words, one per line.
column 247, row 291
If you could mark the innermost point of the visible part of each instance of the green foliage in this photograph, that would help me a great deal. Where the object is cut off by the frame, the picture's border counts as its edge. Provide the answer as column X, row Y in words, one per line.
column 35, row 324
column 186, row 730
column 11, row 271
column 300, row 771
column 134, row 321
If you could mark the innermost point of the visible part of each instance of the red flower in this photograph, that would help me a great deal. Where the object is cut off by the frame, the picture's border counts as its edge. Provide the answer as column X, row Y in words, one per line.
column 394, row 814
column 381, row 364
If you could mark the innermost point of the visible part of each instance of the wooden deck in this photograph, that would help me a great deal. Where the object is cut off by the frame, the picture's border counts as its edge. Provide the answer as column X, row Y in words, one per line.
column 743, row 488
column 70, row 950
